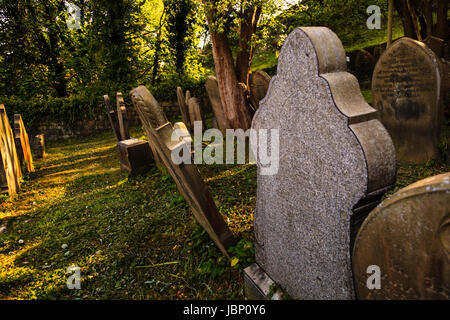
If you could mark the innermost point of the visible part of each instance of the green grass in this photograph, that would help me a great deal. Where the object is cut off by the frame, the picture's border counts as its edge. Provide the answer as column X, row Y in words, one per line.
column 113, row 225
column 132, row 238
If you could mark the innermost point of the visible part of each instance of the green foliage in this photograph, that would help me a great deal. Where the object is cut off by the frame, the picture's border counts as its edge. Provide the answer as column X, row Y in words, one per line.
column 180, row 19
column 243, row 254
column 63, row 110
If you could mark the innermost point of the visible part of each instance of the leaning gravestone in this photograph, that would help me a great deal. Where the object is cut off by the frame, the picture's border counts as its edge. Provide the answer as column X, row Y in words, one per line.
column 195, row 114
column 186, row 176
column 259, row 84
column 408, row 238
column 183, row 107
column 10, row 172
column 407, row 92
column 22, row 143
column 122, row 117
column 336, row 160
column 212, row 87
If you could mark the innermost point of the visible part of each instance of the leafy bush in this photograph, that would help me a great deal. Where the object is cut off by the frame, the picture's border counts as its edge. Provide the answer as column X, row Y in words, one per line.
column 64, row 110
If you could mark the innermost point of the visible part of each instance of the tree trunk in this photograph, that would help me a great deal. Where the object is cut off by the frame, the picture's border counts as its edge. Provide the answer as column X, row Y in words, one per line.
column 408, row 25
column 427, row 10
column 245, row 51
column 232, row 94
column 412, row 12
column 441, row 26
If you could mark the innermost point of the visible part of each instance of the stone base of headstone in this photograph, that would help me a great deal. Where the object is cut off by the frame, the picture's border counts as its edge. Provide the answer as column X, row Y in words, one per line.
column 258, row 285
column 135, row 156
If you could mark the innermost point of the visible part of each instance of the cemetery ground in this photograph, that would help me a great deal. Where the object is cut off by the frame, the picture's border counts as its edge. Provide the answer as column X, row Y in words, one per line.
column 133, row 238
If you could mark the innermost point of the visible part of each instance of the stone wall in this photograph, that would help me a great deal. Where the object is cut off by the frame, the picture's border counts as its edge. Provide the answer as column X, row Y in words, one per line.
column 55, row 131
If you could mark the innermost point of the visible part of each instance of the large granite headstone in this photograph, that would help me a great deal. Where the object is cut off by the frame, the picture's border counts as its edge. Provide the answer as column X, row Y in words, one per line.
column 22, row 143
column 186, row 176
column 10, row 172
column 122, row 117
column 408, row 238
column 336, row 160
column 258, row 84
column 407, row 92
column 212, row 87
column 182, row 103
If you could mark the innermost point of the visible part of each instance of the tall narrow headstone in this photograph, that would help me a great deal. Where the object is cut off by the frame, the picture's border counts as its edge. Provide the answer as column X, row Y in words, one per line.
column 212, row 87
column 407, row 92
column 10, row 172
column 38, row 146
column 186, row 175
column 183, row 107
column 112, row 116
column 195, row 114
column 22, row 143
column 403, row 247
column 122, row 116
column 259, row 84
column 336, row 160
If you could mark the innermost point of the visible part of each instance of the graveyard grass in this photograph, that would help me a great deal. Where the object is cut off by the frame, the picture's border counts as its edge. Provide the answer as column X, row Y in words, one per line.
column 133, row 238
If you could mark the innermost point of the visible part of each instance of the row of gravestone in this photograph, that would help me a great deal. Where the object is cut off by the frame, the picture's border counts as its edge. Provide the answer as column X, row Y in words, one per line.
column 319, row 224
column 15, row 152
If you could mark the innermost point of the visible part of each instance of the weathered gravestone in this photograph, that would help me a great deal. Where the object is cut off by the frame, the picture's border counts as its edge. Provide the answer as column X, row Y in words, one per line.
column 407, row 92
column 336, row 160
column 112, row 116
column 122, row 117
column 259, row 84
column 22, row 144
column 408, row 238
column 186, row 176
column 195, row 114
column 135, row 155
column 38, row 146
column 212, row 87
column 10, row 172
column 183, row 107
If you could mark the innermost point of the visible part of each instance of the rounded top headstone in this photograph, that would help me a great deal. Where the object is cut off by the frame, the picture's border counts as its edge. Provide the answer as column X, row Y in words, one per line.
column 407, row 92
column 408, row 238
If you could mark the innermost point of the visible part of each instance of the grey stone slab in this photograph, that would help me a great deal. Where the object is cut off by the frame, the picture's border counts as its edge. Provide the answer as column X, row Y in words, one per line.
column 335, row 162
column 259, row 286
